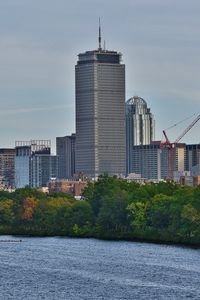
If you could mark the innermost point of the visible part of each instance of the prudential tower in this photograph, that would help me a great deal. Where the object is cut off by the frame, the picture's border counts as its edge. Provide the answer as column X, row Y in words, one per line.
column 100, row 113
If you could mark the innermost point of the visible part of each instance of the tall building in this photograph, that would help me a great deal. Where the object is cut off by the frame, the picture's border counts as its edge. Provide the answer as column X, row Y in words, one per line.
column 140, row 126
column 65, row 150
column 7, row 166
column 192, row 156
column 100, row 113
column 34, row 164
column 43, row 167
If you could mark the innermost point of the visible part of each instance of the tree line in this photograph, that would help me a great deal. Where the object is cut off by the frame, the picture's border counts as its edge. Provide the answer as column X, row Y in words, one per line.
column 112, row 209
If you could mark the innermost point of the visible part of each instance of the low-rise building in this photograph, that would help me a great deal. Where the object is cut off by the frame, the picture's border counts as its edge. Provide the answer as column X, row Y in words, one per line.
column 72, row 187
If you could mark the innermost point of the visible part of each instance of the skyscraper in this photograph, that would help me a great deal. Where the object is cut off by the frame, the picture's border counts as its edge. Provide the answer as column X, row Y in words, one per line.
column 140, row 122
column 140, row 126
column 100, row 113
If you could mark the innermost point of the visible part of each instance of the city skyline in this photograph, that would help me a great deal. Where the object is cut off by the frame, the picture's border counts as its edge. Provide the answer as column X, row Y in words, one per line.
column 160, row 46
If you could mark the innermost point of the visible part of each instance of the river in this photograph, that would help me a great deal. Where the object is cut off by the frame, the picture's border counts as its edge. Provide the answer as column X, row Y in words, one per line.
column 69, row 268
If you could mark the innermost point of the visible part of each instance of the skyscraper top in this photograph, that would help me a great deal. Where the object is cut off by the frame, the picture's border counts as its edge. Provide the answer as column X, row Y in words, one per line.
column 99, row 55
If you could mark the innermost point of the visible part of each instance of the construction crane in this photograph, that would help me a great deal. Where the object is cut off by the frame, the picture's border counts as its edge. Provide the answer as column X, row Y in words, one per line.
column 171, row 146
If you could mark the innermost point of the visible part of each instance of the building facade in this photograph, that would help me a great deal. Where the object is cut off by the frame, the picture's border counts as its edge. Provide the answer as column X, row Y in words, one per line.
column 7, row 166
column 146, row 160
column 140, row 126
column 43, row 167
column 34, row 164
column 72, row 187
column 65, row 150
column 100, row 113
column 152, row 162
column 192, row 156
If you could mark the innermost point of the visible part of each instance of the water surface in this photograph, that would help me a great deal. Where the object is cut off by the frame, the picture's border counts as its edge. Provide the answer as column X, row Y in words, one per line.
column 66, row 268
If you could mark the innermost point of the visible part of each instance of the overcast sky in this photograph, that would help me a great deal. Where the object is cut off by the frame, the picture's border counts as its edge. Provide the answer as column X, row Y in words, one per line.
column 39, row 43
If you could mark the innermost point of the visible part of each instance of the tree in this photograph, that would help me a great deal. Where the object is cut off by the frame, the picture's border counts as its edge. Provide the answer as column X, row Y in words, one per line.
column 6, row 212
column 137, row 214
column 29, row 205
column 190, row 222
column 113, row 214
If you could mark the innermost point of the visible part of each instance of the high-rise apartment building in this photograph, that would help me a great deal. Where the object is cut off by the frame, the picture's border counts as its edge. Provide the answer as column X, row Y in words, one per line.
column 100, row 113
column 34, row 164
column 140, row 126
column 65, row 150
column 152, row 162
column 7, row 166
column 192, row 156
column 147, row 161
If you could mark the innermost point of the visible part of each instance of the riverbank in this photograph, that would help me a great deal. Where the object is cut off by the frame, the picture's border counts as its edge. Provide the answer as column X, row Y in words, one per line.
column 114, row 236
column 112, row 209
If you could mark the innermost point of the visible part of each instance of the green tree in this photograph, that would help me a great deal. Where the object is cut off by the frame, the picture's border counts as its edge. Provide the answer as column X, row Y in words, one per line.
column 6, row 212
column 137, row 214
column 113, row 214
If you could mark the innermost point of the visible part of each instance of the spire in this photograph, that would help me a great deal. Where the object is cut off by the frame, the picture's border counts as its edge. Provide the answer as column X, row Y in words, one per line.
column 100, row 35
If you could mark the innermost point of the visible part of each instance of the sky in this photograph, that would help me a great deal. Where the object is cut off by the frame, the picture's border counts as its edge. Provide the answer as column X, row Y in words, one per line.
column 40, row 41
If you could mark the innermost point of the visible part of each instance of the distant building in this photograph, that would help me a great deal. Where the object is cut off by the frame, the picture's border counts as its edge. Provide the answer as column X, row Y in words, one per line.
column 146, row 160
column 72, row 187
column 65, row 150
column 140, row 126
column 42, row 168
column 178, row 175
column 136, row 178
column 195, row 170
column 196, row 180
column 152, row 162
column 7, row 166
column 187, row 180
column 192, row 156
column 34, row 164
column 100, row 113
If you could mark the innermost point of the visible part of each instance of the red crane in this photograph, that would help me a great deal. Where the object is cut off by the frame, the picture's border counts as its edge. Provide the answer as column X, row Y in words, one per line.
column 170, row 146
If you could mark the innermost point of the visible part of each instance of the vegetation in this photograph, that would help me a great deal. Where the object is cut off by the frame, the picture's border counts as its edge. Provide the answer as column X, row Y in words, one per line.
column 112, row 209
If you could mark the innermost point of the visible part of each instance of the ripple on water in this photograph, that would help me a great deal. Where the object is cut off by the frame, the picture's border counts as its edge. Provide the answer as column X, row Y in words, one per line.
column 65, row 268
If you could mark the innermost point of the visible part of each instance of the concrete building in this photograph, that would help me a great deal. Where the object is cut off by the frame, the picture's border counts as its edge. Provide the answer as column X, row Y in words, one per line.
column 100, row 113
column 34, row 165
column 65, row 150
column 140, row 126
column 179, row 157
column 72, row 187
column 152, row 162
column 178, row 175
column 192, row 156
column 7, row 166
column 146, row 160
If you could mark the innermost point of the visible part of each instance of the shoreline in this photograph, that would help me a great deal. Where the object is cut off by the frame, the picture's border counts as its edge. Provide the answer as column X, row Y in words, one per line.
column 114, row 239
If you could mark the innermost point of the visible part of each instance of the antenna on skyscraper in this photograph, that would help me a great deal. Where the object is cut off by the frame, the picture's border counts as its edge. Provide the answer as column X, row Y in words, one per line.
column 100, row 34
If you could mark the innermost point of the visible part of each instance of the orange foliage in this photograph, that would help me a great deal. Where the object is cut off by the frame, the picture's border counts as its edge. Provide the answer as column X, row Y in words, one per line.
column 29, row 205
